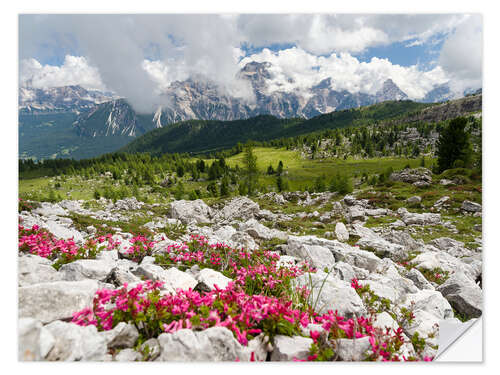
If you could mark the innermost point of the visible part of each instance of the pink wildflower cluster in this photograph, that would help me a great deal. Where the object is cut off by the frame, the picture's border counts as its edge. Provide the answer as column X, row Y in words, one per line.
column 257, row 271
column 141, row 246
column 245, row 315
column 40, row 242
column 259, row 300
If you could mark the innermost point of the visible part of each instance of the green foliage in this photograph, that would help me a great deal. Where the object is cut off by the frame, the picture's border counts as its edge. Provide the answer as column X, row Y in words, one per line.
column 212, row 189
column 209, row 136
column 250, row 170
column 281, row 183
column 454, row 147
column 224, row 186
column 179, row 191
column 341, row 184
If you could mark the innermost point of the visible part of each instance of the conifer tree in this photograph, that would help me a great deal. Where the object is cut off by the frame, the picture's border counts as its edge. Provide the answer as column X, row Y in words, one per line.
column 250, row 170
column 454, row 147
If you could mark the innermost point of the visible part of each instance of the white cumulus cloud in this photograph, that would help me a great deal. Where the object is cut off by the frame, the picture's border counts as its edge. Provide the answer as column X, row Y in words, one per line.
column 74, row 71
column 295, row 69
column 462, row 54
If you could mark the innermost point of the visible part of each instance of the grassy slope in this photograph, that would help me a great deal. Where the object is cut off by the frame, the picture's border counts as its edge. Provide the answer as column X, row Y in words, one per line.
column 302, row 172
column 53, row 135
column 204, row 136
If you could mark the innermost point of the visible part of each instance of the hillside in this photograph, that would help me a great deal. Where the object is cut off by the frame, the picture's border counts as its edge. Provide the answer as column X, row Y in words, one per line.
column 203, row 136
column 207, row 136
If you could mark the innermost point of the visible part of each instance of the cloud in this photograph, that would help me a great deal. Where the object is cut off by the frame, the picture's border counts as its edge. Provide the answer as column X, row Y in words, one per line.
column 354, row 33
column 74, row 71
column 137, row 56
column 462, row 54
column 295, row 69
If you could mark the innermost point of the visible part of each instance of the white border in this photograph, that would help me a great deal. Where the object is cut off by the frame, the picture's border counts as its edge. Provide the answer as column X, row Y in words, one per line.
column 8, row 93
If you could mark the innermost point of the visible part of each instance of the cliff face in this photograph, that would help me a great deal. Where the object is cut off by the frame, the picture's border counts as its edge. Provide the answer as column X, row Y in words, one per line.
column 449, row 110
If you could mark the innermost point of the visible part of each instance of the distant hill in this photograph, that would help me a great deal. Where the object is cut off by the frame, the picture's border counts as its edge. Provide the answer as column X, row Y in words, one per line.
column 197, row 136
column 205, row 136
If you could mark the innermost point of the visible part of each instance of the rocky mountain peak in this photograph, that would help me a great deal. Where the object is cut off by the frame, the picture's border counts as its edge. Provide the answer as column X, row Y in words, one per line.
column 390, row 91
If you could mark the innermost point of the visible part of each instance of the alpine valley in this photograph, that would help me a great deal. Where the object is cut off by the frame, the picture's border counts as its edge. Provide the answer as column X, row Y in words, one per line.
column 73, row 122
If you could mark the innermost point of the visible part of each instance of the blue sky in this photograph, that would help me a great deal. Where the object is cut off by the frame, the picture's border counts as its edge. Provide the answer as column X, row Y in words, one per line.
column 137, row 54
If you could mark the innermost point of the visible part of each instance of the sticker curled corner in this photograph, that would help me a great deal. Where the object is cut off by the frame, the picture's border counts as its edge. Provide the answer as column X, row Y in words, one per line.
column 460, row 341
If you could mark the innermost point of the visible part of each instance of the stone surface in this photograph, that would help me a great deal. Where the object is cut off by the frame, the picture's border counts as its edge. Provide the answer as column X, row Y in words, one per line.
column 195, row 211
column 56, row 300
column 211, row 278
column 261, row 232
column 430, row 301
column 418, row 279
column 383, row 321
column 353, row 349
column 290, row 348
column 401, row 238
column 414, row 200
column 86, row 269
column 128, row 355
column 124, row 335
column 330, row 293
column 317, row 256
column 33, row 269
column 356, row 213
column 76, row 343
column 463, row 294
column 241, row 208
column 471, row 206
column 341, row 232
column 34, row 340
column 150, row 349
column 212, row 344
column 412, row 175
column 172, row 278
column 63, row 232
column 425, row 218
column 439, row 259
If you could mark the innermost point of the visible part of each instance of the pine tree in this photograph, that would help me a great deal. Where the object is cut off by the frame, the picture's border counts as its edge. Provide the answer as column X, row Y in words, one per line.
column 454, row 147
column 279, row 171
column 250, row 170
column 224, row 187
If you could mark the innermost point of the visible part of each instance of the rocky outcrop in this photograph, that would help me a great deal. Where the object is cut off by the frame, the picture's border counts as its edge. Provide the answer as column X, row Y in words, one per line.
column 191, row 211
column 56, row 300
column 412, row 176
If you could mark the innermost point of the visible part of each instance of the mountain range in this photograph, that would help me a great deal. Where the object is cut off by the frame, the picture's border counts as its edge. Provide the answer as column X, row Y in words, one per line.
column 91, row 114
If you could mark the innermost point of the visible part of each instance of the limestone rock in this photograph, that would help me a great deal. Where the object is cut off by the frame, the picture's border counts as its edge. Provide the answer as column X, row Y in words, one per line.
column 82, row 269
column 341, row 232
column 330, row 293
column 124, row 335
column 353, row 349
column 414, row 200
column 128, row 355
column 425, row 218
column 290, row 348
column 212, row 344
column 76, row 343
column 34, row 269
column 211, row 278
column 34, row 340
column 242, row 208
column 56, row 300
column 412, row 175
column 463, row 294
column 471, row 206
column 317, row 256
column 195, row 211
